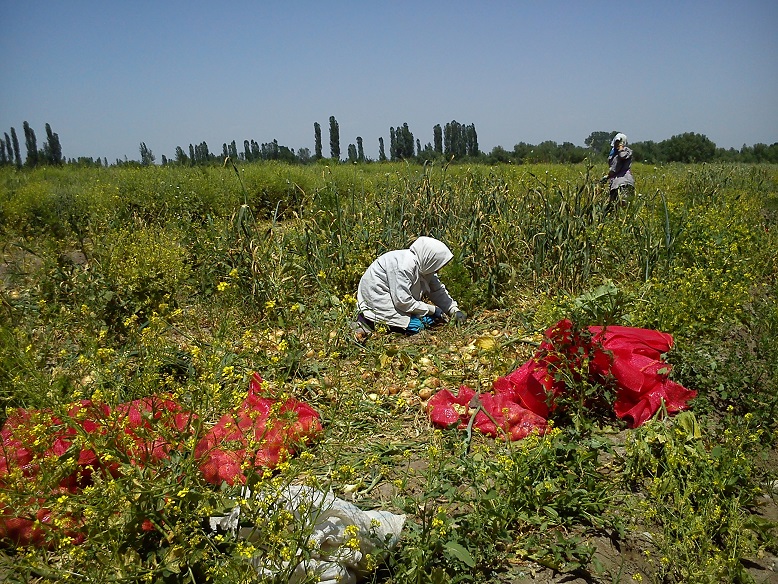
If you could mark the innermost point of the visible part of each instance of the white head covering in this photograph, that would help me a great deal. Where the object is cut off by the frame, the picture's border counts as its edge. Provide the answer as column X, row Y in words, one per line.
column 619, row 138
column 431, row 253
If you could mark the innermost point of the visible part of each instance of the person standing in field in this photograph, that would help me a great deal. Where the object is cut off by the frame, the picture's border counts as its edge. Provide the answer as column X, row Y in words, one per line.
column 396, row 288
column 619, row 177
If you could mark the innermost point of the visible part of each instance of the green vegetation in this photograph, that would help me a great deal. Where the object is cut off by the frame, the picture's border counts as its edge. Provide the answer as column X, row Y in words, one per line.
column 124, row 282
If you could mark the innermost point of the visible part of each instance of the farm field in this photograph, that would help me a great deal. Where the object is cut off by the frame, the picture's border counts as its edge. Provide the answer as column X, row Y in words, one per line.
column 122, row 284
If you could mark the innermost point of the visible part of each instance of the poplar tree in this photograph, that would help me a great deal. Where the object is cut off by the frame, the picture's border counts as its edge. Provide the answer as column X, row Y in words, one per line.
column 181, row 158
column 360, row 150
column 472, row 141
column 53, row 149
column 317, row 139
column 352, row 153
column 32, row 145
column 9, row 148
column 381, row 152
column 437, row 133
column 334, row 139
column 15, row 143
column 146, row 156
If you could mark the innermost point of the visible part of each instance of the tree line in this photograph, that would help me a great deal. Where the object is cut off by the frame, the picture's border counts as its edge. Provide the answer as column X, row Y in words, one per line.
column 452, row 141
column 50, row 153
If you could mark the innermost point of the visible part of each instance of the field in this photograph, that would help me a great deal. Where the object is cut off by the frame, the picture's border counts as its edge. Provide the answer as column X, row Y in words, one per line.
column 122, row 283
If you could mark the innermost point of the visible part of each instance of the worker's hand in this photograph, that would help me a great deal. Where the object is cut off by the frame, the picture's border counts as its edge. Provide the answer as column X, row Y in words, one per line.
column 459, row 317
column 415, row 325
column 438, row 314
column 427, row 321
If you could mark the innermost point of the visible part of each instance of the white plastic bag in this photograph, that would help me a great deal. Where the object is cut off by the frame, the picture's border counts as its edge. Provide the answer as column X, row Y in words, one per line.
column 333, row 556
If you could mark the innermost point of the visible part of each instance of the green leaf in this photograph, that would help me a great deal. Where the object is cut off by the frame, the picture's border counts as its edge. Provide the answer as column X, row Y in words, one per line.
column 460, row 553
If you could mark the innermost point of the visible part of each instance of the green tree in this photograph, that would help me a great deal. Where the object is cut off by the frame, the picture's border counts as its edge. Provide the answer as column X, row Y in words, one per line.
column 317, row 140
column 599, row 142
column 381, row 151
column 334, row 139
column 402, row 143
column 689, row 147
column 146, row 156
column 454, row 140
column 498, row 155
column 437, row 137
column 360, row 150
column 52, row 148
column 352, row 153
column 181, row 158
column 471, row 141
column 15, row 144
column 32, row 145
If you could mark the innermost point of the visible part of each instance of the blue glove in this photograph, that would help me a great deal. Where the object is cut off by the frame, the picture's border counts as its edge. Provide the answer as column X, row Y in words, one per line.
column 415, row 325
column 612, row 152
column 427, row 321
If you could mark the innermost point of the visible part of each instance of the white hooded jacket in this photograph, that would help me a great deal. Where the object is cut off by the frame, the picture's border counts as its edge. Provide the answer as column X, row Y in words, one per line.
column 392, row 288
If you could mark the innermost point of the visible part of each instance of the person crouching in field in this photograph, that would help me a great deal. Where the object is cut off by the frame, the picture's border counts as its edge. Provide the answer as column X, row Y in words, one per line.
column 619, row 177
column 392, row 290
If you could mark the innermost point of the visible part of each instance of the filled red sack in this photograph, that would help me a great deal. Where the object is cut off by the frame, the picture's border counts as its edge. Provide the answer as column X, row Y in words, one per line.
column 498, row 415
column 261, row 432
column 629, row 358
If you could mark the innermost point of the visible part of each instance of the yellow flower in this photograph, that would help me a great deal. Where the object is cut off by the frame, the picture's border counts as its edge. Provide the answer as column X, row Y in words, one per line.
column 270, row 304
column 222, row 286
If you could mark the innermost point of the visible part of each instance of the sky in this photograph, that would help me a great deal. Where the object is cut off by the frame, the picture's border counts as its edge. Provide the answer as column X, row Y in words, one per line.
column 108, row 75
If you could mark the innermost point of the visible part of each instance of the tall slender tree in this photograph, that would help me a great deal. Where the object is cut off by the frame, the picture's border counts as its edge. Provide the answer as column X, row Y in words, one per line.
column 181, row 158
column 17, row 152
column 317, row 140
column 360, row 150
column 381, row 151
column 472, row 141
column 9, row 148
column 53, row 148
column 334, row 138
column 146, row 155
column 437, row 136
column 32, row 145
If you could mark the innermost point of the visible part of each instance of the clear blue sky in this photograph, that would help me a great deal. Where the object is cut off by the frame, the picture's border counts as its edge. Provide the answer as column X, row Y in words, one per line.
column 108, row 75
